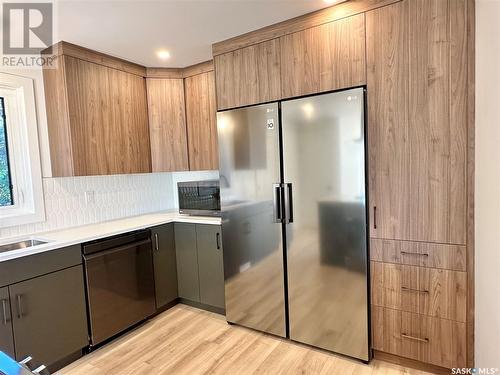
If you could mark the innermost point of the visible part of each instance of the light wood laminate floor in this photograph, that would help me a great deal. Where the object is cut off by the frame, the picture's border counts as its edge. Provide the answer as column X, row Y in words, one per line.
column 185, row 340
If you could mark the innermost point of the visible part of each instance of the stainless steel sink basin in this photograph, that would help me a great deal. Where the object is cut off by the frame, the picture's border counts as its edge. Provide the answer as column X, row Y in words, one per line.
column 21, row 245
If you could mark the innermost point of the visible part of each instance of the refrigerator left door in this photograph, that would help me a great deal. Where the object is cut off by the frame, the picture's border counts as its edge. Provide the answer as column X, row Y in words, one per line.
column 249, row 167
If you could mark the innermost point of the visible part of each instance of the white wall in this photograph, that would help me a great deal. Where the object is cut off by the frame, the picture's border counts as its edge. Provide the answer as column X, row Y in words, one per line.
column 487, row 191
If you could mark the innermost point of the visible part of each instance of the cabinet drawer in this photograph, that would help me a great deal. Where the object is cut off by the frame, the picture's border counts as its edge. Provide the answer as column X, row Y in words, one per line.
column 451, row 257
column 432, row 340
column 23, row 268
column 427, row 291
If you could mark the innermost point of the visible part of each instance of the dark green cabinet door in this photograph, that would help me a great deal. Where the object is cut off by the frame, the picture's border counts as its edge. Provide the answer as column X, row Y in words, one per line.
column 187, row 261
column 210, row 265
column 164, row 262
column 49, row 316
column 6, row 338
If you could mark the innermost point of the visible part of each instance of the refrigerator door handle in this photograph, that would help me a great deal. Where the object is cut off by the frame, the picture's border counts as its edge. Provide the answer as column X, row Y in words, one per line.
column 288, row 203
column 277, row 210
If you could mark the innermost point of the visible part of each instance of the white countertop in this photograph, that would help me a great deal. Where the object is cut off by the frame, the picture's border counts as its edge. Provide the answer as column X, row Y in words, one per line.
column 85, row 233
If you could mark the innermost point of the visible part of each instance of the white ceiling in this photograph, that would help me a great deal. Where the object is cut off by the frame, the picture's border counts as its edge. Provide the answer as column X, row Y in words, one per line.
column 135, row 30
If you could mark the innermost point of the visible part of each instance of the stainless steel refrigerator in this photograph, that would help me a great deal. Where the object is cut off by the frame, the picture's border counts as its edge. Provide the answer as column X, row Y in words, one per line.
column 294, row 222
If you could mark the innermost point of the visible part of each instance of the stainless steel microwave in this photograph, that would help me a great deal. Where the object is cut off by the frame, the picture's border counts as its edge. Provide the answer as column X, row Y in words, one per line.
column 199, row 198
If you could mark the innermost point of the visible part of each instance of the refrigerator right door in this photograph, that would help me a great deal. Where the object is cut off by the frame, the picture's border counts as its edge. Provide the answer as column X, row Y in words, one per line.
column 324, row 168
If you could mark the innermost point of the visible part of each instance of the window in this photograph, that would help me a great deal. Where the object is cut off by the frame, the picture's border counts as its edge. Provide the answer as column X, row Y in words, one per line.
column 21, row 193
column 6, row 198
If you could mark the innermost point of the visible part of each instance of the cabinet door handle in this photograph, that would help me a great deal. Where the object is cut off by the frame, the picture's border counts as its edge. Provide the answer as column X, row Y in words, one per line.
column 405, row 336
column 19, row 306
column 217, row 240
column 157, row 242
column 4, row 310
column 374, row 217
column 405, row 289
column 415, row 254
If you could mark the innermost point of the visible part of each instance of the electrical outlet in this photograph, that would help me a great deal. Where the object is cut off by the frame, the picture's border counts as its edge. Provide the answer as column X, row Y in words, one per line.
column 89, row 197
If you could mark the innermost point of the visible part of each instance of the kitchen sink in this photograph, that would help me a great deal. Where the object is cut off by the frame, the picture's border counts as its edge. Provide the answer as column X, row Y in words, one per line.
column 21, row 245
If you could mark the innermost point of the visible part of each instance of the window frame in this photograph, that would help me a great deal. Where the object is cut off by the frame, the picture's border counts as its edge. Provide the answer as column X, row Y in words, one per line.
column 23, row 152
column 4, row 119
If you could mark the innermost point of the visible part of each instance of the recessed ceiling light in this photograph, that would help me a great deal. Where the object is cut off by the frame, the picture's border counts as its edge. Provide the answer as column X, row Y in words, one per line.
column 163, row 54
column 331, row 2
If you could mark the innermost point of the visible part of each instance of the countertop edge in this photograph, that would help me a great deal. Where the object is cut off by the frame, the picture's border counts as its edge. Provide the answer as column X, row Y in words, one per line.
column 57, row 238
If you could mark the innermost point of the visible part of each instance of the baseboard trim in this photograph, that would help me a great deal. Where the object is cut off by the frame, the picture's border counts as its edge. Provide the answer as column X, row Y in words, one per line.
column 203, row 306
column 407, row 362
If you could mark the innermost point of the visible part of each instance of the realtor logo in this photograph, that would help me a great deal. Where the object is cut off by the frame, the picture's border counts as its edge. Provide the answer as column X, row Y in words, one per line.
column 26, row 28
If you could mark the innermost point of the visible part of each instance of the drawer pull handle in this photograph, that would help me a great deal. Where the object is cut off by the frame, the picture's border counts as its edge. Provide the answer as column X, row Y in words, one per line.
column 405, row 289
column 416, row 254
column 405, row 336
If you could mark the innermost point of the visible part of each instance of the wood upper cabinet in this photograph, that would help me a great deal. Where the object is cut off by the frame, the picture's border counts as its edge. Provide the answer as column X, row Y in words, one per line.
column 97, row 119
column 324, row 58
column 201, row 122
column 248, row 75
column 167, row 124
column 416, row 81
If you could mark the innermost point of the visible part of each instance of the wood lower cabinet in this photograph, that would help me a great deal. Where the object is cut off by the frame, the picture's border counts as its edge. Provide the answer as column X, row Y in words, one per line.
column 448, row 257
column 324, row 58
column 419, row 301
column 49, row 317
column 428, row 339
column 97, row 119
column 427, row 291
column 6, row 334
column 201, row 122
column 416, row 82
column 165, row 265
column 167, row 125
column 248, row 75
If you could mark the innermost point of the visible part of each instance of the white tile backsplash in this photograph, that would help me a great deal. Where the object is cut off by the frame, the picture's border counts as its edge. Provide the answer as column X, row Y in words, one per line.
column 111, row 197
column 108, row 198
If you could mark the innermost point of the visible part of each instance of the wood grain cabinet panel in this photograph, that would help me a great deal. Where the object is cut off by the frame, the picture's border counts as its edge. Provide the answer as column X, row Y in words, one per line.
column 249, row 75
column 437, row 341
column 446, row 293
column 437, row 119
column 416, row 81
column 446, row 342
column 427, row 291
column 99, row 126
column 324, row 58
column 167, row 125
column 395, row 286
column 201, row 122
column 451, row 257
column 388, row 145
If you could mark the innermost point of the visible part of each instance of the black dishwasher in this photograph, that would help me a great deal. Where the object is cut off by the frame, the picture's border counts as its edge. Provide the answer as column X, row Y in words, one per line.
column 120, row 283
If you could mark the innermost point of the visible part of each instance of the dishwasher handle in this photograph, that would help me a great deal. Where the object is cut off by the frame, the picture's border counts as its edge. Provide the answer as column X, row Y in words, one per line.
column 117, row 249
